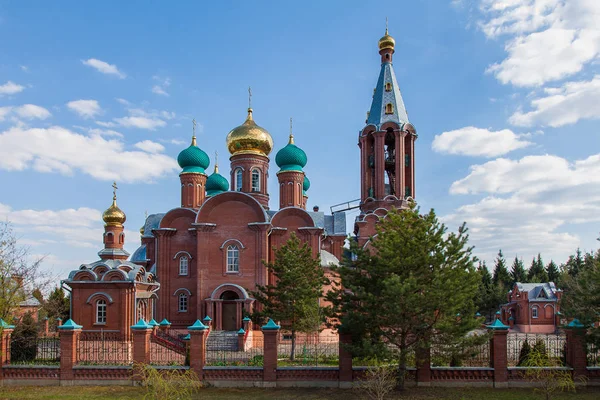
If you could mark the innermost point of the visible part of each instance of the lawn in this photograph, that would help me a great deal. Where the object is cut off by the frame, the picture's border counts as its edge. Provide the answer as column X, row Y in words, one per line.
column 102, row 393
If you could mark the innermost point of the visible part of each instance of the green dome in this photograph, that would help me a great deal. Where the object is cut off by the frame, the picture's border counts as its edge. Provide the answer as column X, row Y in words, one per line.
column 216, row 183
column 305, row 185
column 291, row 157
column 193, row 159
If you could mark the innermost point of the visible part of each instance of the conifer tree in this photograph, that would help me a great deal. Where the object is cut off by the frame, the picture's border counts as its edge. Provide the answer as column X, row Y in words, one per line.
column 537, row 272
column 57, row 306
column 518, row 272
column 413, row 286
column 501, row 275
column 575, row 264
column 293, row 299
column 553, row 273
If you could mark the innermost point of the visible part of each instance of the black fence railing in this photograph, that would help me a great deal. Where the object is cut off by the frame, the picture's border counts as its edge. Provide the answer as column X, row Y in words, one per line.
column 443, row 355
column 223, row 351
column 41, row 350
column 554, row 346
column 310, row 350
column 593, row 355
column 103, row 348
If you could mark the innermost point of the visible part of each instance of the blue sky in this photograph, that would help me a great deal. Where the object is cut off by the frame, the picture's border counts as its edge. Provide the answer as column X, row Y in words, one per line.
column 503, row 94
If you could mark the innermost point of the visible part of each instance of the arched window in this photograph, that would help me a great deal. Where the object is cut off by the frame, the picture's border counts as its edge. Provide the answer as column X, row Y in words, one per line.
column 183, row 265
column 389, row 108
column 388, row 87
column 238, row 179
column 101, row 312
column 183, row 302
column 534, row 312
column 122, row 237
column 233, row 259
column 110, row 237
column 255, row 180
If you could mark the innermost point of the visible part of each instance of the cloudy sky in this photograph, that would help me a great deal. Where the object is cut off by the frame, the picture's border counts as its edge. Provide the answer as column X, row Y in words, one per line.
column 504, row 95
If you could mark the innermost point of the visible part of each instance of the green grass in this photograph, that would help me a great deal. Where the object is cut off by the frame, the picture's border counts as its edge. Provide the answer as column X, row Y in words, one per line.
column 125, row 392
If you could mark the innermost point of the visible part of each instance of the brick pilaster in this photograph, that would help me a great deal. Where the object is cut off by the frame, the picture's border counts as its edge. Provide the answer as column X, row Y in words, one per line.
column 6, row 330
column 141, row 344
column 198, row 334
column 69, row 333
column 423, row 356
column 499, row 359
column 271, row 341
column 576, row 349
column 345, row 361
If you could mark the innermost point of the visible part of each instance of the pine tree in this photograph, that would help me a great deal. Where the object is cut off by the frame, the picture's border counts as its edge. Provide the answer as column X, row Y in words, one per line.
column 518, row 272
column 57, row 306
column 501, row 275
column 553, row 273
column 537, row 272
column 294, row 297
column 412, row 287
column 575, row 264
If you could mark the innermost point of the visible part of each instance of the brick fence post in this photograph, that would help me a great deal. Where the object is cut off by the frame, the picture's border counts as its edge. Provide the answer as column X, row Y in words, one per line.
column 141, row 342
column 69, row 332
column 498, row 356
column 345, row 361
column 271, row 338
column 423, row 359
column 576, row 348
column 198, row 334
column 6, row 331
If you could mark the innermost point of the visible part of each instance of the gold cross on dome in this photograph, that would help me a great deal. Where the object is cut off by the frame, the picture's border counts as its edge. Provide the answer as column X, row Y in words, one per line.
column 194, row 126
column 249, row 97
column 114, row 186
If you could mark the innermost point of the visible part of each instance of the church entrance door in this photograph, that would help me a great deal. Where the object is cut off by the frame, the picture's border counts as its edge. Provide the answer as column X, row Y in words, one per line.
column 229, row 316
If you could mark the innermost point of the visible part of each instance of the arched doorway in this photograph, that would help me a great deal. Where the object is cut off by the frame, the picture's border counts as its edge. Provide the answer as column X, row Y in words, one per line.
column 229, row 313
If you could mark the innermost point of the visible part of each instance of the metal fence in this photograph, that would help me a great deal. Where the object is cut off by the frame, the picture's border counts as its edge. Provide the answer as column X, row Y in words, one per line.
column 168, row 348
column 104, row 348
column 224, row 351
column 34, row 350
column 593, row 355
column 457, row 356
column 310, row 350
column 553, row 344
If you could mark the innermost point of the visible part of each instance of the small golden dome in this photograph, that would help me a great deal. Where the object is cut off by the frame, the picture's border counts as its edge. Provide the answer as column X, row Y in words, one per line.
column 387, row 42
column 114, row 216
column 142, row 230
column 249, row 138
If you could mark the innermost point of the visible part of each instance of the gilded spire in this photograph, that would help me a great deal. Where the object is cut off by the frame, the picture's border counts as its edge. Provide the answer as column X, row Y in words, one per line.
column 194, row 132
column 386, row 25
column 113, row 216
column 216, row 162
column 387, row 42
column 291, row 133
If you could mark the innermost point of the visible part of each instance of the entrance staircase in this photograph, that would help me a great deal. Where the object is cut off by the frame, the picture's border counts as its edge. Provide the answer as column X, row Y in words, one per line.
column 169, row 341
column 222, row 341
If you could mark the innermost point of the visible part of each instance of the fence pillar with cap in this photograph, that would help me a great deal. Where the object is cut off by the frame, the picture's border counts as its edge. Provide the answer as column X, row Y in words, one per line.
column 271, row 340
column 498, row 356
column 576, row 356
column 69, row 332
column 141, row 341
column 7, row 331
column 423, row 361
column 208, row 322
column 164, row 325
column 198, row 334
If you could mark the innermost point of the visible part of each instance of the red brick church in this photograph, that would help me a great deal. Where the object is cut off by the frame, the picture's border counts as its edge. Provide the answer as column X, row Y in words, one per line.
column 203, row 257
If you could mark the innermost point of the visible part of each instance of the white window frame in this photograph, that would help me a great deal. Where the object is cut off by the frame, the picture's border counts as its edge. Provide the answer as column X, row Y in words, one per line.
column 184, row 265
column 233, row 259
column 256, row 174
column 101, row 308
column 534, row 312
column 238, row 179
column 182, row 302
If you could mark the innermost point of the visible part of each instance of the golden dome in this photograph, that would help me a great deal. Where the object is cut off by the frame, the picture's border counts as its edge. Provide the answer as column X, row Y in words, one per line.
column 249, row 138
column 114, row 216
column 387, row 42
column 142, row 230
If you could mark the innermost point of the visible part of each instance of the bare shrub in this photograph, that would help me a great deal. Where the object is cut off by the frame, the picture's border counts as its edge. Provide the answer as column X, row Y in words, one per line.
column 169, row 384
column 379, row 381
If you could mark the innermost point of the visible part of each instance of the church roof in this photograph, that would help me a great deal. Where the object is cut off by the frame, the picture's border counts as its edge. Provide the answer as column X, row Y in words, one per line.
column 128, row 269
column 328, row 259
column 152, row 222
column 30, row 302
column 538, row 291
column 378, row 115
column 139, row 255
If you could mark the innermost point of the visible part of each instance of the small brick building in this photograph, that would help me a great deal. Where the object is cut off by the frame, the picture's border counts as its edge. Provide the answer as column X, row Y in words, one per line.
column 206, row 255
column 532, row 308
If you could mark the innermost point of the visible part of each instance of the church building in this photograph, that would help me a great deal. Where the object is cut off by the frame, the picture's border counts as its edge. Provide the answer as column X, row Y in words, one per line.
column 203, row 257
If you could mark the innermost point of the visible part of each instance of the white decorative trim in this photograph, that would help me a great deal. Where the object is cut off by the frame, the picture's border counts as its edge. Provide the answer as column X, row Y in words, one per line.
column 182, row 289
column 103, row 294
column 232, row 240
column 184, row 252
column 241, row 289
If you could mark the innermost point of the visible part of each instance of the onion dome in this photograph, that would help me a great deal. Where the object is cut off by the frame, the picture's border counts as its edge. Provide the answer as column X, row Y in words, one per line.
column 291, row 157
column 387, row 42
column 193, row 159
column 142, row 230
column 216, row 183
column 114, row 216
column 249, row 138
column 305, row 185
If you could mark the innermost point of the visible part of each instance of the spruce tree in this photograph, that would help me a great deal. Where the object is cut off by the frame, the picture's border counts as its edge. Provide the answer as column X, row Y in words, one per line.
column 537, row 272
column 413, row 286
column 575, row 264
column 553, row 273
column 57, row 306
column 293, row 298
column 501, row 275
column 518, row 272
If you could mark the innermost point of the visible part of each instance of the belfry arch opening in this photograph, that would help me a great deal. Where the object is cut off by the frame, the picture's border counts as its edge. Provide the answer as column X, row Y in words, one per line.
column 390, row 162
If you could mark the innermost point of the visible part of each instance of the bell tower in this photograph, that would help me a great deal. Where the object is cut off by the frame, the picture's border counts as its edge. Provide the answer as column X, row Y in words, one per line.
column 387, row 142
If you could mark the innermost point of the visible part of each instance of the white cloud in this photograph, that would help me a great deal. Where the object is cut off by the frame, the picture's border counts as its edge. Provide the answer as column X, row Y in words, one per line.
column 150, row 146
column 106, row 124
column 528, row 203
column 10, row 88
column 123, row 101
column 94, row 155
column 85, row 108
column 27, row 111
column 105, row 132
column 161, row 87
column 546, row 40
column 562, row 106
column 104, row 67
column 24, row 68
column 472, row 141
column 141, row 122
